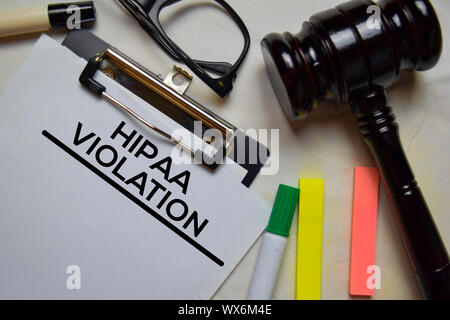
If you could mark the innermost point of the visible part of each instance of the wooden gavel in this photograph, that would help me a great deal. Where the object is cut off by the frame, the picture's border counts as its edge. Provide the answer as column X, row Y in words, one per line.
column 349, row 55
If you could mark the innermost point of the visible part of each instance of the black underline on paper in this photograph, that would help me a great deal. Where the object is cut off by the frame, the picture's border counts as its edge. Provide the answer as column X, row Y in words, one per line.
column 130, row 196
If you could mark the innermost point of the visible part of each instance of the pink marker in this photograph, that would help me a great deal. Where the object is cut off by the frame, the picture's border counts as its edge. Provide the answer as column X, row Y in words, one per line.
column 364, row 231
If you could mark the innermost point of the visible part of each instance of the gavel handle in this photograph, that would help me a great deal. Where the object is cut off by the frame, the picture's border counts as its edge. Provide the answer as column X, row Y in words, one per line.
column 426, row 250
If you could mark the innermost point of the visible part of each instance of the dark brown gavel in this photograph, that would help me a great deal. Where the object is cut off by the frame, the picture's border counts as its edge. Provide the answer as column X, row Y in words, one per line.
column 349, row 55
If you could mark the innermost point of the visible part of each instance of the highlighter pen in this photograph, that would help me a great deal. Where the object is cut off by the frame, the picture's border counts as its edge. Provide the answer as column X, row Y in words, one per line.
column 42, row 18
column 273, row 244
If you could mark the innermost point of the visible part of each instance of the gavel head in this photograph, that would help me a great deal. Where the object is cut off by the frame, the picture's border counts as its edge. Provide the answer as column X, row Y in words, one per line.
column 356, row 45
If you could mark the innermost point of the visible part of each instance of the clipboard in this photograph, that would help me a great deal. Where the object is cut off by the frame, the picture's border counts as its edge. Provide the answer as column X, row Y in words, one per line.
column 87, row 45
column 134, row 220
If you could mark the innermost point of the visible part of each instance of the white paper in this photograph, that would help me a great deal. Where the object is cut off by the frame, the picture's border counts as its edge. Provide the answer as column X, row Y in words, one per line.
column 60, row 207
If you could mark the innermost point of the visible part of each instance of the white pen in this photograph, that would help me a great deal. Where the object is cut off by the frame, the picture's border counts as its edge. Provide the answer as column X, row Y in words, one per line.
column 273, row 244
column 41, row 18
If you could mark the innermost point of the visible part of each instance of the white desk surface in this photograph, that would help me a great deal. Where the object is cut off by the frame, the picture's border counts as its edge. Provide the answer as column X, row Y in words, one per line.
column 327, row 145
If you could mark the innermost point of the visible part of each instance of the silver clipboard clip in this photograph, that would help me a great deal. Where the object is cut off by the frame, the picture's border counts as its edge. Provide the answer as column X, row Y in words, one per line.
column 170, row 91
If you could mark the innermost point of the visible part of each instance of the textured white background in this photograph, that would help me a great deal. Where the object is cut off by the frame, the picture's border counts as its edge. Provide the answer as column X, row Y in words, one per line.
column 327, row 145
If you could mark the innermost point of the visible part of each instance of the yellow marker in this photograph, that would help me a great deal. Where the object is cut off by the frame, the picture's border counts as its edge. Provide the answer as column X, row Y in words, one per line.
column 309, row 245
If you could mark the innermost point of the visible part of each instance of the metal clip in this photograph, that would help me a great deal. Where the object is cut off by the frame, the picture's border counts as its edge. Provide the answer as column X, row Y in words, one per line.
column 166, row 91
column 178, row 74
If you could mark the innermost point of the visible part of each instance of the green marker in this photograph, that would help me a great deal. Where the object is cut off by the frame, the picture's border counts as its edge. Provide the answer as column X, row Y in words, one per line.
column 273, row 244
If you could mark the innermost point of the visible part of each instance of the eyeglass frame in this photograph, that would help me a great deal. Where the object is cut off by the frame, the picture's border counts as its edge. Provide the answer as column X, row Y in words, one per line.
column 223, row 84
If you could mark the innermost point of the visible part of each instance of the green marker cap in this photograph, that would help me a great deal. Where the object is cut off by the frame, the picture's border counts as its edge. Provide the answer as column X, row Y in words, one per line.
column 283, row 210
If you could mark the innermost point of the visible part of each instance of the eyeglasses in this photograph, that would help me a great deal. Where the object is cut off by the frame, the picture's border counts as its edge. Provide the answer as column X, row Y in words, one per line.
column 146, row 12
